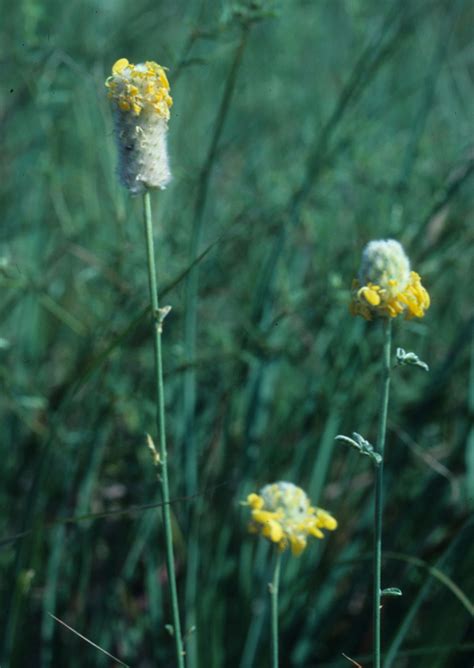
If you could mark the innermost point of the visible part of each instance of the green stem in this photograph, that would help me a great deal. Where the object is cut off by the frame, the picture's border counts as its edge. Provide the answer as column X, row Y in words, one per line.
column 190, row 337
column 384, row 394
column 160, row 406
column 192, row 280
column 274, row 595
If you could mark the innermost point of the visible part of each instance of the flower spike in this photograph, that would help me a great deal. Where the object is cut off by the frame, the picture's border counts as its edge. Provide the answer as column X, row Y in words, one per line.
column 141, row 101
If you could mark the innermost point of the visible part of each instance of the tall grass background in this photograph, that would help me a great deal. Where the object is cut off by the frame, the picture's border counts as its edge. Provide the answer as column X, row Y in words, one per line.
column 336, row 123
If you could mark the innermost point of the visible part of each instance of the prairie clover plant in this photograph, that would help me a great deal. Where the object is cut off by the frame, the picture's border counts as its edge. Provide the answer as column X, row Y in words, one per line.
column 141, row 103
column 283, row 514
column 385, row 289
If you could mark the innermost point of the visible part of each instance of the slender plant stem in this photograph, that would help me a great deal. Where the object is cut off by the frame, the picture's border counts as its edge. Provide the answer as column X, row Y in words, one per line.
column 190, row 336
column 378, row 506
column 274, row 595
column 192, row 280
column 160, row 409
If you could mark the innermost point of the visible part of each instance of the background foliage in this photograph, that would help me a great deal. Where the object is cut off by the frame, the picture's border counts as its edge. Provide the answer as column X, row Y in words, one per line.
column 299, row 132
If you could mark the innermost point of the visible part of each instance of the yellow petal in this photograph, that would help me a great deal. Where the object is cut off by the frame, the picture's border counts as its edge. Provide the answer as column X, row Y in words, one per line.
column 164, row 79
column 276, row 531
column 370, row 295
column 316, row 532
column 326, row 521
column 255, row 501
column 119, row 65
column 298, row 544
column 263, row 516
column 273, row 531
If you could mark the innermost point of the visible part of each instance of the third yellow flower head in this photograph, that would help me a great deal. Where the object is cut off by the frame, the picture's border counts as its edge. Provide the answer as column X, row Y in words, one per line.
column 386, row 285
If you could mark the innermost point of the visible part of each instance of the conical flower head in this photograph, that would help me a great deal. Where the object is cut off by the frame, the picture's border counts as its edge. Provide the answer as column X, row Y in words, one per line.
column 386, row 286
column 141, row 101
column 283, row 514
column 385, row 263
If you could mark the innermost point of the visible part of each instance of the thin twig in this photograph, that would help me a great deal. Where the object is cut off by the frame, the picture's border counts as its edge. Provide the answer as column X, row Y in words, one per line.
column 74, row 519
column 104, row 651
column 359, row 665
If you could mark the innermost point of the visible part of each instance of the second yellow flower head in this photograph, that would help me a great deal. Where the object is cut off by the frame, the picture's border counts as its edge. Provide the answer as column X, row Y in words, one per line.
column 283, row 514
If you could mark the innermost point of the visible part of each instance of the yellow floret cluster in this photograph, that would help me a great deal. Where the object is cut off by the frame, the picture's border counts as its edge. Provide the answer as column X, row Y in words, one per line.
column 283, row 514
column 371, row 300
column 140, row 88
column 386, row 287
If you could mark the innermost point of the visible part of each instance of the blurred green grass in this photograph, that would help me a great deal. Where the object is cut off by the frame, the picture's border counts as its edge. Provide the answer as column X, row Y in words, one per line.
column 350, row 120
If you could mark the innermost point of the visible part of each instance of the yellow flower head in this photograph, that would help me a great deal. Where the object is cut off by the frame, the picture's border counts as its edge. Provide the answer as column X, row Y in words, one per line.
column 386, row 286
column 140, row 88
column 141, row 102
column 283, row 514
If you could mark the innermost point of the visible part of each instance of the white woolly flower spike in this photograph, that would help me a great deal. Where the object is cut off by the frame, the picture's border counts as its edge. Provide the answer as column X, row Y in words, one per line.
column 141, row 99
